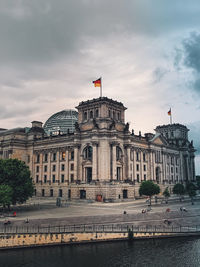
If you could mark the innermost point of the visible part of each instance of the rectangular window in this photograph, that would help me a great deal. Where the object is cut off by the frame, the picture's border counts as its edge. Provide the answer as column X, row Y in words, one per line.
column 53, row 178
column 45, row 168
column 28, row 159
column 145, row 177
column 54, row 156
column 144, row 157
column 37, row 168
column 62, row 167
column 45, row 179
column 43, row 193
column 72, row 155
column 72, row 177
column 51, row 192
column 72, row 167
column 62, row 178
column 138, row 178
column 46, row 157
column 172, row 160
column 38, row 158
column 172, row 169
column 137, row 167
column 137, row 156
column 63, row 156
column 54, row 168
column 144, row 168
column 37, row 179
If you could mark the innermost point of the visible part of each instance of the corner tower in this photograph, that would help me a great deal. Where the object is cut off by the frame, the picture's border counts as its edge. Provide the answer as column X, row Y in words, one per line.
column 102, row 113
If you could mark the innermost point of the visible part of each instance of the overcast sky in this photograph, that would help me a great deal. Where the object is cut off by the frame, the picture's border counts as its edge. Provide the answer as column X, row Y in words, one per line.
column 147, row 51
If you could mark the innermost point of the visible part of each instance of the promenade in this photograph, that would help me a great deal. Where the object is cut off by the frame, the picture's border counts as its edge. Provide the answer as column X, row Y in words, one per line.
column 44, row 212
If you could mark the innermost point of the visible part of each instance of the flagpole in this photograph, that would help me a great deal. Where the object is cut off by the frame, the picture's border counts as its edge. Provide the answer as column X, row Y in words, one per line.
column 101, row 87
column 171, row 118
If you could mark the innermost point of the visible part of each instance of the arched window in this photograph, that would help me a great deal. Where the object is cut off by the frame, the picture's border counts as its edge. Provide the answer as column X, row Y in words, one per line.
column 91, row 114
column 85, row 115
column 87, row 153
column 118, row 153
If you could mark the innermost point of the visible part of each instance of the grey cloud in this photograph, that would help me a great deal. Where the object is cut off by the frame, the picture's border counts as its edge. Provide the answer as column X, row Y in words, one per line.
column 194, row 135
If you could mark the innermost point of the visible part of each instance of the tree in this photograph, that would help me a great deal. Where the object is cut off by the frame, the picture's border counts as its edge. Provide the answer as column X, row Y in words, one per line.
column 198, row 181
column 191, row 190
column 16, row 174
column 148, row 188
column 179, row 189
column 166, row 194
column 6, row 193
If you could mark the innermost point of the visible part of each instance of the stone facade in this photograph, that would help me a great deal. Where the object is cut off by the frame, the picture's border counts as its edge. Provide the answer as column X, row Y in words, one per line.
column 102, row 159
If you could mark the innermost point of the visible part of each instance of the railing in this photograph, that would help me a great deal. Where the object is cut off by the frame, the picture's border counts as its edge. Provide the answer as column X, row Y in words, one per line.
column 109, row 228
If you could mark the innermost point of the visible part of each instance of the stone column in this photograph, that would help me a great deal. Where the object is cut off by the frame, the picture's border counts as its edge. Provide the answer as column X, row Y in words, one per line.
column 49, row 178
column 67, row 164
column 114, row 165
column 94, row 161
column 75, row 162
column 58, row 166
column 128, row 161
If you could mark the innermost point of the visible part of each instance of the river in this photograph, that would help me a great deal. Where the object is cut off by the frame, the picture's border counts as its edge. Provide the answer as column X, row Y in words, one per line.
column 183, row 252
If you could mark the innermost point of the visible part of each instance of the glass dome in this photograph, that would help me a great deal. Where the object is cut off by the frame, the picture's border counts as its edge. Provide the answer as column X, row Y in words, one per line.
column 62, row 122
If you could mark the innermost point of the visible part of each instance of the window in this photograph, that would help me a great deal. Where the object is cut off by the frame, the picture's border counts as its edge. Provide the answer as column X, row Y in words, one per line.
column 118, row 116
column 54, row 156
column 91, row 114
column 144, row 168
column 53, row 178
column 85, row 115
column 37, row 168
column 88, row 153
column 62, row 178
column 51, row 192
column 145, row 177
column 45, row 168
column 144, row 157
column 72, row 155
column 60, row 192
column 54, row 168
column 62, row 167
column 176, row 169
column 97, row 113
column 43, row 192
column 137, row 156
column 109, row 113
column 37, row 178
column 63, row 156
column 28, row 159
column 138, row 178
column 45, row 179
column 113, row 115
column 118, row 153
column 72, row 177
column 38, row 158
column 172, row 160
column 137, row 167
column 46, row 157
column 172, row 169
column 72, row 167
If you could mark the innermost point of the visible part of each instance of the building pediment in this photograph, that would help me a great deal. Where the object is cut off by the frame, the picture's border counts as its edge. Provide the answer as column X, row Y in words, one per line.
column 158, row 139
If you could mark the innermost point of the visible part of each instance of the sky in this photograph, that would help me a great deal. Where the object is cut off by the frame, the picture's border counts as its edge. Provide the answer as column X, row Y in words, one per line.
column 146, row 51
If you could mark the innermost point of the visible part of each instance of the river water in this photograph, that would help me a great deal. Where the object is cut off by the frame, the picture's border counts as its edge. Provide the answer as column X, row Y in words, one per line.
column 155, row 253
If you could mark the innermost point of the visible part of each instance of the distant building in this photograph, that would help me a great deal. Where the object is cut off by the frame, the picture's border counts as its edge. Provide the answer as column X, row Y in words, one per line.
column 102, row 158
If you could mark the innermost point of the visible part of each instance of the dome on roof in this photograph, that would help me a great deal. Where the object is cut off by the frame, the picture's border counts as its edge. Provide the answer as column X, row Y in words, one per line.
column 62, row 121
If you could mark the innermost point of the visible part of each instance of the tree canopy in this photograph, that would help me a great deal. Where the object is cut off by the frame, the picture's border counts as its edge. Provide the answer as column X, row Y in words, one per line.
column 179, row 189
column 148, row 188
column 5, row 195
column 191, row 190
column 166, row 194
column 15, row 174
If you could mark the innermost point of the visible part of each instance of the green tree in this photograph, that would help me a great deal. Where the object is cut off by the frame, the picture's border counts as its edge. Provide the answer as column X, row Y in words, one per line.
column 198, row 181
column 148, row 188
column 6, row 193
column 16, row 174
column 166, row 194
column 191, row 190
column 179, row 189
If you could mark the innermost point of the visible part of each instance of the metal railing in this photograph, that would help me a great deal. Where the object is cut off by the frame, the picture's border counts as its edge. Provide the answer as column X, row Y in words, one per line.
column 94, row 228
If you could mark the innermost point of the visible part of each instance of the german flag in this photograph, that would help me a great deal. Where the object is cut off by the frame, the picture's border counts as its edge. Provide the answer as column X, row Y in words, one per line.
column 169, row 112
column 97, row 83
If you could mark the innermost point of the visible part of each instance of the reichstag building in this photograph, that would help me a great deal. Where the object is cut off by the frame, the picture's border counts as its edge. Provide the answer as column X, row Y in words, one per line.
column 92, row 154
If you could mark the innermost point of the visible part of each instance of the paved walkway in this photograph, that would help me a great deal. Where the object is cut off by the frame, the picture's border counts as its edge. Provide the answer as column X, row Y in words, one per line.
column 45, row 212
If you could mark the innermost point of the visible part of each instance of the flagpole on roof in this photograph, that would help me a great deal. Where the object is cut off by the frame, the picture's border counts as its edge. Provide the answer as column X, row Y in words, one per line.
column 170, row 116
column 101, row 87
